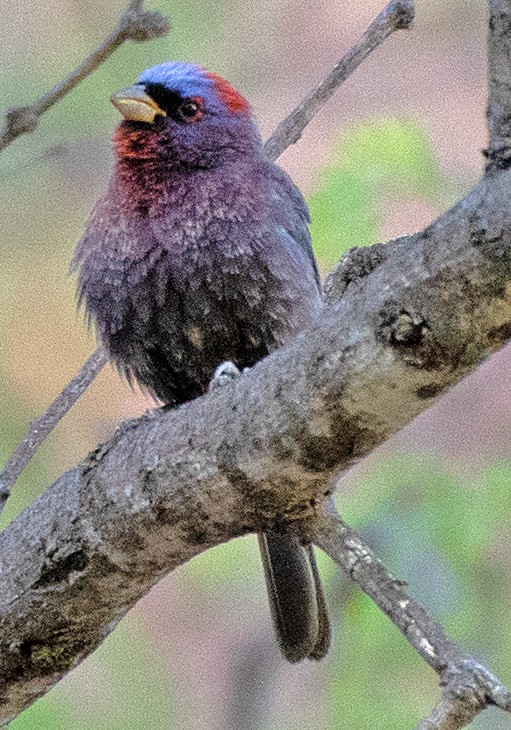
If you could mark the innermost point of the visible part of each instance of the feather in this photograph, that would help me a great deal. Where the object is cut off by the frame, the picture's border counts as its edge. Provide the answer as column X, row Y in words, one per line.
column 200, row 253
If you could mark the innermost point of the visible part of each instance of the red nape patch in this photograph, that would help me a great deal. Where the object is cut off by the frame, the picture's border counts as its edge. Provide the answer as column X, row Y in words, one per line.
column 232, row 99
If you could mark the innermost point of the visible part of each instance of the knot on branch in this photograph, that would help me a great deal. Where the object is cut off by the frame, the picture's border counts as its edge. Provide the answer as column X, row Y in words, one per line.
column 498, row 158
column 407, row 330
column 143, row 25
column 354, row 264
column 410, row 336
column 20, row 119
column 469, row 688
column 60, row 568
column 403, row 12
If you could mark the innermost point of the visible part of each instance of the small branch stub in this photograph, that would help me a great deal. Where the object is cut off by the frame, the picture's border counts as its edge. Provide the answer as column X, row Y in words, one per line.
column 20, row 120
column 469, row 688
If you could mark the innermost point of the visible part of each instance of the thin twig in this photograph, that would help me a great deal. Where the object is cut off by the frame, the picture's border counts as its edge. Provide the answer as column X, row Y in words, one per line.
column 397, row 15
column 468, row 686
column 43, row 425
column 135, row 24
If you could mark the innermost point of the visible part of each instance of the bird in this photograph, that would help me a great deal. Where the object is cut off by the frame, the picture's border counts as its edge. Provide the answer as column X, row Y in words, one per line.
column 200, row 254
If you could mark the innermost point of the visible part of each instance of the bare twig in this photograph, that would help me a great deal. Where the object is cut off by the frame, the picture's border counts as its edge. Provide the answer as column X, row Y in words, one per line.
column 468, row 686
column 135, row 24
column 43, row 425
column 397, row 15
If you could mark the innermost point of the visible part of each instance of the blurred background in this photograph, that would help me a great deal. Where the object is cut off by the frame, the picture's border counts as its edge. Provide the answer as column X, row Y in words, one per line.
column 398, row 145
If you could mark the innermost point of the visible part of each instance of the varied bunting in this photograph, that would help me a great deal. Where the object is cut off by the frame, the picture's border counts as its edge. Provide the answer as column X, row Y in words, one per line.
column 199, row 253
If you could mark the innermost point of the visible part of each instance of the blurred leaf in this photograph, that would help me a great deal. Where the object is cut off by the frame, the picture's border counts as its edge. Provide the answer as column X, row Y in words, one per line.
column 375, row 161
column 341, row 214
column 391, row 156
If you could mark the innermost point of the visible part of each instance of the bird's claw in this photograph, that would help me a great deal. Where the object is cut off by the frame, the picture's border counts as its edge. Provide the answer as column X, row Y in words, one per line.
column 225, row 373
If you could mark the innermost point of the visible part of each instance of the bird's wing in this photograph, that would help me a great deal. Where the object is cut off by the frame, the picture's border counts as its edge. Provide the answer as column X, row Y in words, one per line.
column 290, row 211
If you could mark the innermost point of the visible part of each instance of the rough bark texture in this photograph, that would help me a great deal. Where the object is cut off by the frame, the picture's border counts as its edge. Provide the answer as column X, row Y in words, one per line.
column 499, row 86
column 403, row 322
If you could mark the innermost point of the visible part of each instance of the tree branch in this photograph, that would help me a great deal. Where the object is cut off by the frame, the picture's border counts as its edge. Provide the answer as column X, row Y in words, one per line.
column 398, row 14
column 499, row 86
column 404, row 321
column 135, row 24
column 468, row 687
column 43, row 425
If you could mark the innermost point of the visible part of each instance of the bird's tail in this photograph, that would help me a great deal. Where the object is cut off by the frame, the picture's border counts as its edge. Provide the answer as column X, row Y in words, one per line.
column 297, row 602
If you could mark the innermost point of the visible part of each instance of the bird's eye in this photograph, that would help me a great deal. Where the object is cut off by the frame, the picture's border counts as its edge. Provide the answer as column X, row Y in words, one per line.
column 190, row 110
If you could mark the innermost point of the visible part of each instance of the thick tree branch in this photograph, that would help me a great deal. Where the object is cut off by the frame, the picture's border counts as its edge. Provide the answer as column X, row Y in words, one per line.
column 136, row 24
column 404, row 321
column 397, row 15
column 499, row 86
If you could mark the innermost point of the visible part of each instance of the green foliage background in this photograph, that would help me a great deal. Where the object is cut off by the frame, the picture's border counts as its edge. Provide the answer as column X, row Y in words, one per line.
column 443, row 532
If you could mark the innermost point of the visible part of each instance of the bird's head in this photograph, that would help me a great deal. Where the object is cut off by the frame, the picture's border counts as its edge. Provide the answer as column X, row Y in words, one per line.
column 179, row 115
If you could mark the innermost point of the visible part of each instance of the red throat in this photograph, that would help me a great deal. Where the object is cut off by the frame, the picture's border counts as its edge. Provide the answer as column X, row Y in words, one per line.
column 135, row 143
column 138, row 170
column 232, row 99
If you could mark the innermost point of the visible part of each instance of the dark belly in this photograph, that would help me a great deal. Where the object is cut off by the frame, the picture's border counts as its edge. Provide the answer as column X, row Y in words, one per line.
column 173, row 348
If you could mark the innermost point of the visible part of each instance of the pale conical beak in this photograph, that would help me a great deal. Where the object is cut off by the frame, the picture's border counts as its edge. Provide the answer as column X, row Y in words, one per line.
column 135, row 103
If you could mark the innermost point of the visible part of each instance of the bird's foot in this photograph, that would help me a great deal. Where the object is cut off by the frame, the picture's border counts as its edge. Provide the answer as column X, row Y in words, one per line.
column 225, row 373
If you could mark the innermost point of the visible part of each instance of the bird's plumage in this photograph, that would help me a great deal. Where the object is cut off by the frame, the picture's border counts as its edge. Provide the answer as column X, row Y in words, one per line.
column 199, row 252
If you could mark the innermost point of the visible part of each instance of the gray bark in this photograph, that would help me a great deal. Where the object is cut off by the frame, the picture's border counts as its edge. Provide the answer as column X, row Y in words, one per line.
column 403, row 322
